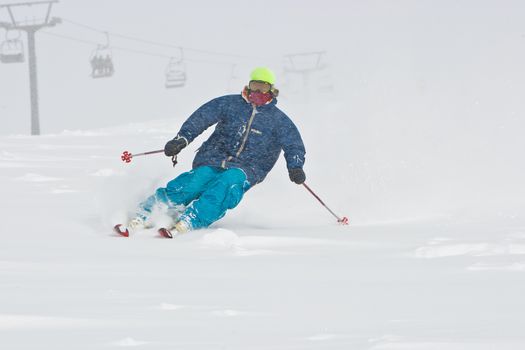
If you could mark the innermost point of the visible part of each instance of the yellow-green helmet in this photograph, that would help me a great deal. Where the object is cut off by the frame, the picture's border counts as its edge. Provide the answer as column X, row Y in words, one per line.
column 263, row 74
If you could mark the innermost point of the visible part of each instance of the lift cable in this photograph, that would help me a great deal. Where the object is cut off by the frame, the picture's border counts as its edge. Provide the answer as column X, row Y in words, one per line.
column 150, row 42
column 126, row 49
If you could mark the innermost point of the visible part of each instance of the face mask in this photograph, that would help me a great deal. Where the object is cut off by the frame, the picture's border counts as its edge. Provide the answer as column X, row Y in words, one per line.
column 259, row 98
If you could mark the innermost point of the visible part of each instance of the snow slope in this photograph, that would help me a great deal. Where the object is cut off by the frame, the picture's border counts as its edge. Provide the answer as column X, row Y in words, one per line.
column 276, row 273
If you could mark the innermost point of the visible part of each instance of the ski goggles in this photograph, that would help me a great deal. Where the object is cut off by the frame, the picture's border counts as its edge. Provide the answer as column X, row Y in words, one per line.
column 261, row 86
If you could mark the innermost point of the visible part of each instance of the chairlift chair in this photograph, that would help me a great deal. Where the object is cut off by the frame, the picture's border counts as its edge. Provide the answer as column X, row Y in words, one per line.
column 102, row 61
column 175, row 74
column 12, row 51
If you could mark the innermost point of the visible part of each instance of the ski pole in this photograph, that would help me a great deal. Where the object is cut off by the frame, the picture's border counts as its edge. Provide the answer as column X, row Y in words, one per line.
column 343, row 220
column 127, row 156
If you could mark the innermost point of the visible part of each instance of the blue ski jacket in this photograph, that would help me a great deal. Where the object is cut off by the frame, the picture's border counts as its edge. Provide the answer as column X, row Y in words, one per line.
column 246, row 137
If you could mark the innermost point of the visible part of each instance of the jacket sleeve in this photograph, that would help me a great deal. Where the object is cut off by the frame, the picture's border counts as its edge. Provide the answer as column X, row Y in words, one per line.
column 200, row 120
column 292, row 144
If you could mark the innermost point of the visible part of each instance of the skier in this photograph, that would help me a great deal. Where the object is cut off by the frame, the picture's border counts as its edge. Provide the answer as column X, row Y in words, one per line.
column 95, row 66
column 249, row 135
column 107, row 64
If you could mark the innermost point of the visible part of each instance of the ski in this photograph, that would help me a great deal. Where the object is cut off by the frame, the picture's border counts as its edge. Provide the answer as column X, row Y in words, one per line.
column 117, row 229
column 164, row 232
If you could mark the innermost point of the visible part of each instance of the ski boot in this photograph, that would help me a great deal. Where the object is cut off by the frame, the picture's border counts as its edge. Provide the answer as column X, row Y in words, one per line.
column 178, row 228
column 135, row 224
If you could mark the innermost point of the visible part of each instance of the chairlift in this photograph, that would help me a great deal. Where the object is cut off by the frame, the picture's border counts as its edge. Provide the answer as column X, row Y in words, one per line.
column 102, row 61
column 175, row 72
column 12, row 50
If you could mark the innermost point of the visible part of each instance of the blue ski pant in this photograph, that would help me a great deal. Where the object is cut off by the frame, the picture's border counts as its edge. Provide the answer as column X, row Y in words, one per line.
column 206, row 192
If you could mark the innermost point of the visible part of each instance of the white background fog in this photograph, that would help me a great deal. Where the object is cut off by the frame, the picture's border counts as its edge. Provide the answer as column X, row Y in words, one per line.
column 414, row 131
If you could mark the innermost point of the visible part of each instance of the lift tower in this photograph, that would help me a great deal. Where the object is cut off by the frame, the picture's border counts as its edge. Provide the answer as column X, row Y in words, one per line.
column 31, row 27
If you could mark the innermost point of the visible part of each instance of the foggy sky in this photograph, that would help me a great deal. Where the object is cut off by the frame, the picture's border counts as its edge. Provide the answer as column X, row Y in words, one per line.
column 438, row 57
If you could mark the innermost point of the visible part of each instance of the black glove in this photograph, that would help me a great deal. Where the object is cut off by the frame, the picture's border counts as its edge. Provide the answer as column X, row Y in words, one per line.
column 174, row 146
column 297, row 175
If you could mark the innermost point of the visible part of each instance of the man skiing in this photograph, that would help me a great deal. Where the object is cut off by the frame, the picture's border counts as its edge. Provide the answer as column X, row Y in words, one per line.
column 249, row 135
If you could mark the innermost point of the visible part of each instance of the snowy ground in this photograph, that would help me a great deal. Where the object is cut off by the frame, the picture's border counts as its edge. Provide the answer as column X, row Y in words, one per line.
column 272, row 275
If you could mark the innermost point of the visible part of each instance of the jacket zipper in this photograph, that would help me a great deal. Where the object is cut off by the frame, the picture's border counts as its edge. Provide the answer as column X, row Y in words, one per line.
column 247, row 132
column 244, row 139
